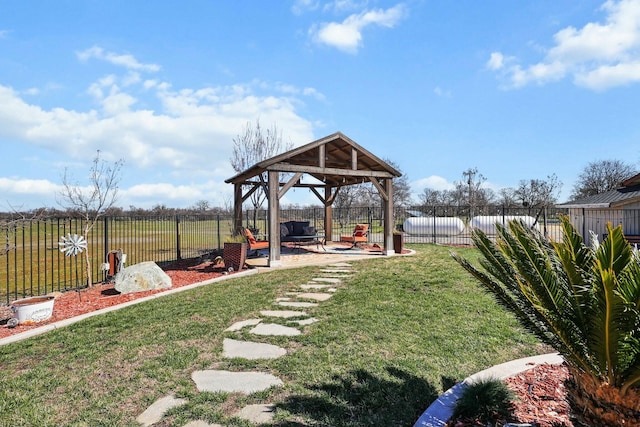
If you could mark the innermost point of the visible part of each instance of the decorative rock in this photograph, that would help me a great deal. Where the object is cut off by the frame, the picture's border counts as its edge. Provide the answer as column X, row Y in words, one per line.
column 258, row 414
column 234, row 382
column 241, row 324
column 284, row 314
column 142, row 277
column 251, row 350
column 273, row 329
column 156, row 411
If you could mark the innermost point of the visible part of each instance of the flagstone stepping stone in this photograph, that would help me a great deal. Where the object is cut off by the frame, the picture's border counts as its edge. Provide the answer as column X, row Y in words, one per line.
column 284, row 314
column 297, row 304
column 273, row 329
column 251, row 350
column 305, row 322
column 156, row 411
column 316, row 296
column 327, row 279
column 239, row 325
column 336, row 271
column 201, row 423
column 259, row 413
column 234, row 382
column 340, row 264
column 314, row 286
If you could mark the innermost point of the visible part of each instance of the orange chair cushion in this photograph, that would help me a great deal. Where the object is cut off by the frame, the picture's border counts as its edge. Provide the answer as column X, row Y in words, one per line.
column 359, row 234
column 253, row 243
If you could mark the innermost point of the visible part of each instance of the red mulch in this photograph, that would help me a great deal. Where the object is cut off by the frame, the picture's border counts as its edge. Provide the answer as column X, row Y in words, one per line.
column 70, row 304
column 540, row 397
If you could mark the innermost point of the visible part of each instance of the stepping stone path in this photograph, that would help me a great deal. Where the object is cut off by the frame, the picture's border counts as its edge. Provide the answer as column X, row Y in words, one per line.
column 285, row 314
column 274, row 329
column 220, row 381
column 297, row 304
column 234, row 382
column 251, row 350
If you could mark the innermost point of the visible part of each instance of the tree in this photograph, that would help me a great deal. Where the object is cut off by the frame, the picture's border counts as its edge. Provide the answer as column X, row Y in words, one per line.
column 601, row 176
column 469, row 191
column 401, row 187
column 201, row 206
column 254, row 146
column 581, row 300
column 92, row 201
column 538, row 192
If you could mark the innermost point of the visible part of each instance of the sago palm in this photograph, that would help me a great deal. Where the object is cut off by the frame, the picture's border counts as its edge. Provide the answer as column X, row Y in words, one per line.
column 584, row 301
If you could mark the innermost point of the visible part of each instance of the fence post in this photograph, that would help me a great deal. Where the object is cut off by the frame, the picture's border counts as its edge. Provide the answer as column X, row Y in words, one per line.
column 178, row 254
column 218, row 231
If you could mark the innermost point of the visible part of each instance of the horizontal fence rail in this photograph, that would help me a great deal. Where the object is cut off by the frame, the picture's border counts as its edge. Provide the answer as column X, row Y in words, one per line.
column 32, row 264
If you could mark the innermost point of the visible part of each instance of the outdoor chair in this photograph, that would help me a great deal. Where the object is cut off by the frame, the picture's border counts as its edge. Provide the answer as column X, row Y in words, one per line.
column 255, row 245
column 360, row 235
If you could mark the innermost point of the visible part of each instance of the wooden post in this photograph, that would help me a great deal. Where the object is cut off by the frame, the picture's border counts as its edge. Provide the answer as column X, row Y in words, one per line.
column 273, row 184
column 388, row 217
column 328, row 214
column 237, row 208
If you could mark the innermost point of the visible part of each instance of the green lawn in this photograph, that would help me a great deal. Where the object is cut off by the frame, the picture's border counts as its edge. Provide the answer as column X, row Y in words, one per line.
column 395, row 335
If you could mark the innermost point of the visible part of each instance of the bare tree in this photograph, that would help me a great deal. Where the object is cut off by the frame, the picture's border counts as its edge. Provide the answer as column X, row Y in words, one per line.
column 538, row 192
column 93, row 200
column 201, row 206
column 253, row 146
column 601, row 176
column 14, row 221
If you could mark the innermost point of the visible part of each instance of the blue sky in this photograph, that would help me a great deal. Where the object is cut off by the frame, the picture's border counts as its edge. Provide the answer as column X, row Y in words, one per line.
column 519, row 90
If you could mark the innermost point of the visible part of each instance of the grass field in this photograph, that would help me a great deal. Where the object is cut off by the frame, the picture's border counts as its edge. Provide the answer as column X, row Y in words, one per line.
column 397, row 333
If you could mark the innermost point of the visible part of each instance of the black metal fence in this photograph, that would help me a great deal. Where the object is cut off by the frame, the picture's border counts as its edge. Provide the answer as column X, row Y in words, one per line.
column 32, row 264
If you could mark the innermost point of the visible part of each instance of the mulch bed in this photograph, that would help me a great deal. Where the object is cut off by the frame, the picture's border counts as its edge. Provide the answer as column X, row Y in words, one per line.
column 540, row 398
column 102, row 295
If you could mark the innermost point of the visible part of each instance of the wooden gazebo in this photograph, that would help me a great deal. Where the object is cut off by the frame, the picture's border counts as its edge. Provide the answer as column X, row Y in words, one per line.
column 334, row 161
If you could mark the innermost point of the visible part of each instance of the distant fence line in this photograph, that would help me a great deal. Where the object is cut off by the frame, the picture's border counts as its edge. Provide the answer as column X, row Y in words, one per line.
column 31, row 263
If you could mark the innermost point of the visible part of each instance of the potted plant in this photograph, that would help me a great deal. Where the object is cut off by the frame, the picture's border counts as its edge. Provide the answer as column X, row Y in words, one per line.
column 235, row 252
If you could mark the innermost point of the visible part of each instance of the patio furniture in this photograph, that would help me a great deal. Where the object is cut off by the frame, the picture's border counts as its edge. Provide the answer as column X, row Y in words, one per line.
column 359, row 235
column 300, row 232
column 255, row 245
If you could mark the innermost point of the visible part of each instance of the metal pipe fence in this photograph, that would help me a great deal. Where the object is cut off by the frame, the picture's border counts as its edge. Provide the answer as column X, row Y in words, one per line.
column 32, row 264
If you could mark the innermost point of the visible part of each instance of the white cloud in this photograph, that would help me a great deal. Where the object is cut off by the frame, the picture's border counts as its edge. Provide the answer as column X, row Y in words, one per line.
column 433, row 182
column 123, row 60
column 301, row 6
column 347, row 35
column 597, row 56
column 28, row 186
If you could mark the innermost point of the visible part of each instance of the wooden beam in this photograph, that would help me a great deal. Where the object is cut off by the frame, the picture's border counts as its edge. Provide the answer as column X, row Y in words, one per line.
column 287, row 167
column 250, row 192
column 381, row 190
column 289, row 184
column 321, row 155
column 318, row 195
column 354, row 158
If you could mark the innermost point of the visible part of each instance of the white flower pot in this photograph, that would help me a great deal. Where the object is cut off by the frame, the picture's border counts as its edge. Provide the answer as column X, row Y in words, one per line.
column 34, row 309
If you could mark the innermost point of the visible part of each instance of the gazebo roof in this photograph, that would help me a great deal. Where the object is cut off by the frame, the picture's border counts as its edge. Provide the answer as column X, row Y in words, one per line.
column 334, row 160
